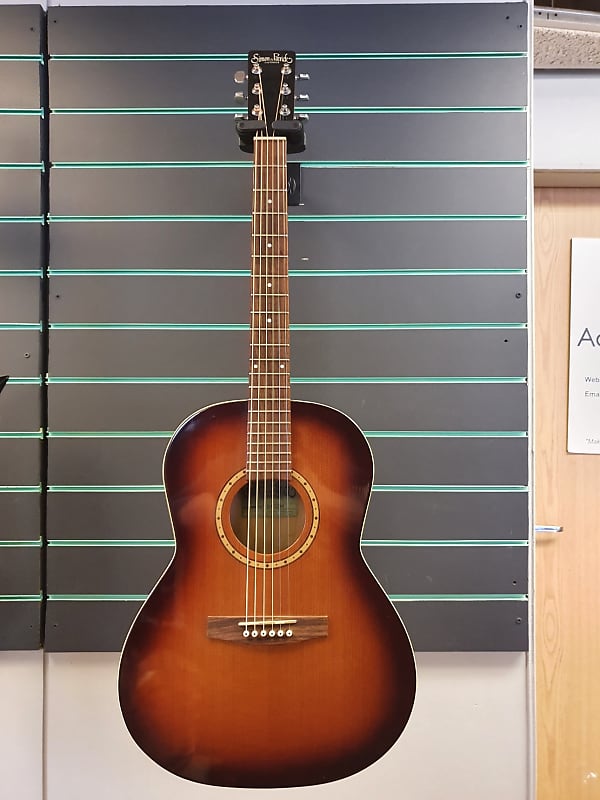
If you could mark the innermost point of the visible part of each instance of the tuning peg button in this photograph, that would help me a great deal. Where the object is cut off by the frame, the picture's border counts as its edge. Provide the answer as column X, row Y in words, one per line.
column 303, row 97
column 239, row 76
column 240, row 97
column 303, row 76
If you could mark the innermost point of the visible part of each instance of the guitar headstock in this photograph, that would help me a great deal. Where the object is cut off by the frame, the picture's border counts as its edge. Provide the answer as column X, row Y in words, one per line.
column 271, row 99
column 271, row 85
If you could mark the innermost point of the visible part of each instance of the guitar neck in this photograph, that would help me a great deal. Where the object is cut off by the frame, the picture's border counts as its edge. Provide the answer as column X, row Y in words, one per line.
column 269, row 449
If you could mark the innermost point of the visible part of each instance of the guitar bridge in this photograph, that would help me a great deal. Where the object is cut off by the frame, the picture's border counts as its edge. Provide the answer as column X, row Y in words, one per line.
column 268, row 630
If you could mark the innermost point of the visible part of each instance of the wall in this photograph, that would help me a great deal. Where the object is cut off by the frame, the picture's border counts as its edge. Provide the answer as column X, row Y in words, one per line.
column 468, row 738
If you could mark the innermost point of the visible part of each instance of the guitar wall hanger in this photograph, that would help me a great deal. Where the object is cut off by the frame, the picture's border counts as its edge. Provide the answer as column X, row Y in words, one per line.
column 292, row 129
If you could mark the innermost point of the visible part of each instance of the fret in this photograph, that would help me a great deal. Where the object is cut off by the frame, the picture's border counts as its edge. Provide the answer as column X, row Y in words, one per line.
column 275, row 461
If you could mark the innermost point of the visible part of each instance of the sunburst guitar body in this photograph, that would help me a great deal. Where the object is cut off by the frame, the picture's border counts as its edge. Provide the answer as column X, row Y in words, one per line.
column 267, row 655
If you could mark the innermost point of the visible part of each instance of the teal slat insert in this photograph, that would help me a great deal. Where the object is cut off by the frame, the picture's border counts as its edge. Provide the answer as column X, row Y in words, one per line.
column 456, row 597
column 305, row 164
column 228, row 380
column 244, row 273
column 20, row 489
column 20, row 543
column 20, row 326
column 25, row 273
column 193, row 326
column 364, row 542
column 297, row 218
column 20, row 598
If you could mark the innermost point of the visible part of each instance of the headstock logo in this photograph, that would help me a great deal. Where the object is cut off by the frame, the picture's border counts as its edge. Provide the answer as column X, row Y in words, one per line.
column 272, row 58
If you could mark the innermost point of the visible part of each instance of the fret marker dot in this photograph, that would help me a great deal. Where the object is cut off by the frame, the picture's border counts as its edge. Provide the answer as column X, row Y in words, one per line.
column 269, row 202
column 269, row 285
column 281, row 366
column 268, row 319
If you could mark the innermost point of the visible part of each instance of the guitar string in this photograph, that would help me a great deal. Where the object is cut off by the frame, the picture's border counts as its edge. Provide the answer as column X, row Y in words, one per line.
column 264, row 191
column 261, row 305
column 273, row 311
column 252, row 390
column 265, row 216
column 256, row 355
column 281, row 173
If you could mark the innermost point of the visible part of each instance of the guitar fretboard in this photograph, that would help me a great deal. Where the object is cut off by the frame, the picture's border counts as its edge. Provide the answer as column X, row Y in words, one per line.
column 269, row 446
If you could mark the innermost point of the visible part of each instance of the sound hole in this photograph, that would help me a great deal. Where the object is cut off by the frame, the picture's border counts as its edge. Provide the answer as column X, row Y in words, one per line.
column 267, row 516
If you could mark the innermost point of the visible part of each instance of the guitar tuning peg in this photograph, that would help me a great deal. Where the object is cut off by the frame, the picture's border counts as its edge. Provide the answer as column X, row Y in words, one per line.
column 239, row 97
column 303, row 76
column 303, row 97
column 239, row 76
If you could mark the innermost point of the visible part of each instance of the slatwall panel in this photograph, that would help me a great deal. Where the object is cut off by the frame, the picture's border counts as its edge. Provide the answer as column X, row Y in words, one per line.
column 20, row 325
column 409, row 292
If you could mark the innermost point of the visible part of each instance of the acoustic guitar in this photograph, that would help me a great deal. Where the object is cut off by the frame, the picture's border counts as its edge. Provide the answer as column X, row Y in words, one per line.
column 267, row 655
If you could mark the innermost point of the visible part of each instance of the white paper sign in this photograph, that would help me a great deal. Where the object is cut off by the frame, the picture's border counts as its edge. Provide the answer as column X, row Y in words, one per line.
column 584, row 349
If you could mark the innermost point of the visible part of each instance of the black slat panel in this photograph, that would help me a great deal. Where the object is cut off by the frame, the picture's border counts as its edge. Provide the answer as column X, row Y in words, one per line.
column 19, row 299
column 105, row 570
column 400, row 570
column 316, row 245
column 20, row 246
column 88, row 626
column 108, row 515
column 314, row 353
column 20, row 29
column 384, row 137
column 391, row 515
column 314, row 299
column 466, row 626
column 449, row 570
column 208, row 84
column 19, row 192
column 20, row 408
column 19, row 516
column 19, row 84
column 215, row 190
column 20, row 351
column 19, row 462
column 20, row 623
column 106, row 461
column 447, row 515
column 433, row 626
column 412, row 516
column 19, row 570
column 99, row 461
column 421, row 407
column 387, row 28
column 450, row 461
column 19, row 139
